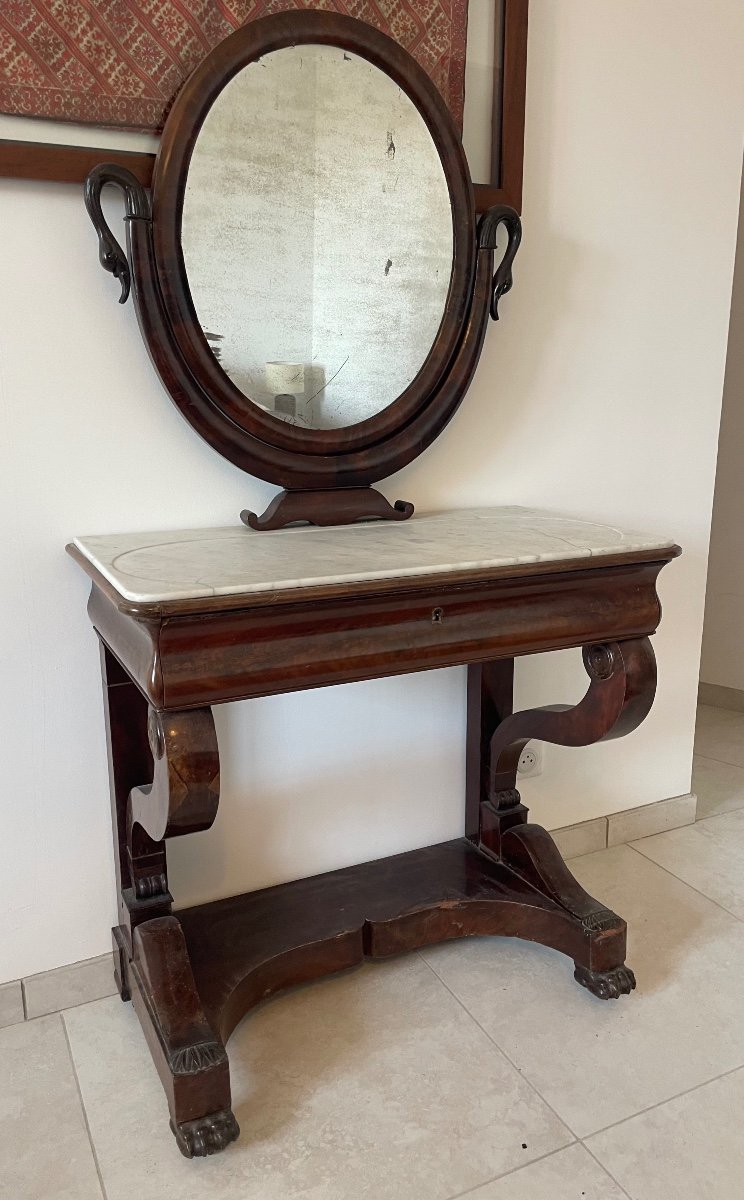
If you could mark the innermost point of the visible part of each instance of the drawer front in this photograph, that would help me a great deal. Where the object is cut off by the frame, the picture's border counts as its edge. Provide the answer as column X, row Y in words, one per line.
column 234, row 655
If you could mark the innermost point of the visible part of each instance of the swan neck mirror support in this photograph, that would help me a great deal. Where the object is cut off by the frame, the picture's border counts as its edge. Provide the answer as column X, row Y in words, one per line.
column 308, row 275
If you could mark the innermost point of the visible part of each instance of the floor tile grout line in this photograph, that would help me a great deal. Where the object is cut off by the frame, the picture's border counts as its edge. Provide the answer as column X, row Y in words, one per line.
column 709, row 758
column 492, row 1040
column 69, row 1007
column 580, row 1138
column 535, row 1089
column 726, row 762
column 691, row 886
column 660, row 1103
column 713, row 816
column 514, row 1170
column 93, row 1150
column 478, row 1186
column 543, row 1158
column 607, row 1171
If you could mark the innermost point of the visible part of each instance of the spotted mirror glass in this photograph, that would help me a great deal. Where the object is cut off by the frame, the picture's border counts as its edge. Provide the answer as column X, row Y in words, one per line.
column 317, row 236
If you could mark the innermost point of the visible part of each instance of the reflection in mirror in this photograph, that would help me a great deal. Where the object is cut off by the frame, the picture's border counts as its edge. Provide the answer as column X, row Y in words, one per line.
column 317, row 236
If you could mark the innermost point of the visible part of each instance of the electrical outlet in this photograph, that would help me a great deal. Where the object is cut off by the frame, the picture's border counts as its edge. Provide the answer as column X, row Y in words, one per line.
column 531, row 760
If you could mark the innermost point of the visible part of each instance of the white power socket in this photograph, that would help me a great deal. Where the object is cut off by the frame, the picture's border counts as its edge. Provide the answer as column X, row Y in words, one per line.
column 531, row 760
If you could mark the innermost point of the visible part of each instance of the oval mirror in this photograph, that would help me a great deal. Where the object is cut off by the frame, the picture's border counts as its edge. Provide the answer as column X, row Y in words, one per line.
column 308, row 274
column 317, row 236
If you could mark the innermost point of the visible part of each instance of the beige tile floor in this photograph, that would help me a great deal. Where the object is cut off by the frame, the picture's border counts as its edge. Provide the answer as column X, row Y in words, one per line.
column 475, row 1069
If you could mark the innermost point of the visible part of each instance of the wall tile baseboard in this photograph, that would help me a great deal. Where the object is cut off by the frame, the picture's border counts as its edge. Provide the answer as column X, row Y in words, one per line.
column 79, row 983
column 721, row 697
column 642, row 822
column 11, row 1003
column 627, row 826
column 66, row 987
column 584, row 838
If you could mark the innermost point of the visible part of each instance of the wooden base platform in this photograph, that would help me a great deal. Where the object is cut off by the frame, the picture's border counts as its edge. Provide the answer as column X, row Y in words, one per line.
column 192, row 976
column 248, row 947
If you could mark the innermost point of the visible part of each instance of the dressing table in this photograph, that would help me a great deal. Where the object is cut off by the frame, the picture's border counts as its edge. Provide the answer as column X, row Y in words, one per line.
column 368, row 211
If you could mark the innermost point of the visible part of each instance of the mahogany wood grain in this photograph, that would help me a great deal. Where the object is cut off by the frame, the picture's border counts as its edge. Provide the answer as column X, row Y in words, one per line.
column 343, row 506
column 489, row 702
column 190, row 1060
column 50, row 162
column 508, row 134
column 621, row 691
column 130, row 763
column 248, row 44
column 289, row 642
column 193, row 975
column 293, row 458
column 305, row 462
column 182, row 798
column 248, row 947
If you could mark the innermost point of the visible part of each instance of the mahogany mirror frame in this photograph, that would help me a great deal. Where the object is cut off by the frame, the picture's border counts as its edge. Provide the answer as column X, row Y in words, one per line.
column 311, row 462
column 182, row 128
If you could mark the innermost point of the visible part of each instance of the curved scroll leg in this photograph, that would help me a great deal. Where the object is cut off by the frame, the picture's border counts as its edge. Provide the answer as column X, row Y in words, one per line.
column 182, row 798
column 130, row 761
column 191, row 1060
column 622, row 684
column 178, row 750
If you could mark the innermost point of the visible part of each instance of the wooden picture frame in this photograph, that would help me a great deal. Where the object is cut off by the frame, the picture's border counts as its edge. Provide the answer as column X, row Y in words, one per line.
column 61, row 163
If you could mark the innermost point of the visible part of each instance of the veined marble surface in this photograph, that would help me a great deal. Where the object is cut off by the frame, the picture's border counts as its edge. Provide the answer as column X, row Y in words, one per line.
column 188, row 563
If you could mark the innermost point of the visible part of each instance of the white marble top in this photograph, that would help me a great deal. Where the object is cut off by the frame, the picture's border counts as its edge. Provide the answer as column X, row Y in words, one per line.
column 184, row 564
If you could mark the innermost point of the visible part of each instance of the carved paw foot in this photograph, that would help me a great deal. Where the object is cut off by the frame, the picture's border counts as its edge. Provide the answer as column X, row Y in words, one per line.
column 607, row 985
column 207, row 1135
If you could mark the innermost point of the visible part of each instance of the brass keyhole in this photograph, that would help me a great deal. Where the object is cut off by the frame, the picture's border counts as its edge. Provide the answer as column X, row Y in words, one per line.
column 437, row 616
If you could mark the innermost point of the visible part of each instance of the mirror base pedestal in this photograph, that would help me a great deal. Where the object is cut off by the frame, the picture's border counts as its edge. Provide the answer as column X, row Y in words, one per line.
column 330, row 506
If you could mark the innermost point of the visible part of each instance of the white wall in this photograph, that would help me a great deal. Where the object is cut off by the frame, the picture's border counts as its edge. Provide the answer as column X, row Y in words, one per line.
column 723, row 637
column 598, row 393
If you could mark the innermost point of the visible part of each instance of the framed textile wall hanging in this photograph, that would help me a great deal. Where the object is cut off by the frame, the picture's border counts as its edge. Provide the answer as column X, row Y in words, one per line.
column 118, row 64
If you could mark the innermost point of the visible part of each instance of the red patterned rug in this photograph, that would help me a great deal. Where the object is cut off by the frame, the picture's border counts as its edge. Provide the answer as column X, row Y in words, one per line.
column 120, row 62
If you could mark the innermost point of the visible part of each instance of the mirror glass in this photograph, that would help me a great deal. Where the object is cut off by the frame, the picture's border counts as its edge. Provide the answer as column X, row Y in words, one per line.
column 317, row 236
